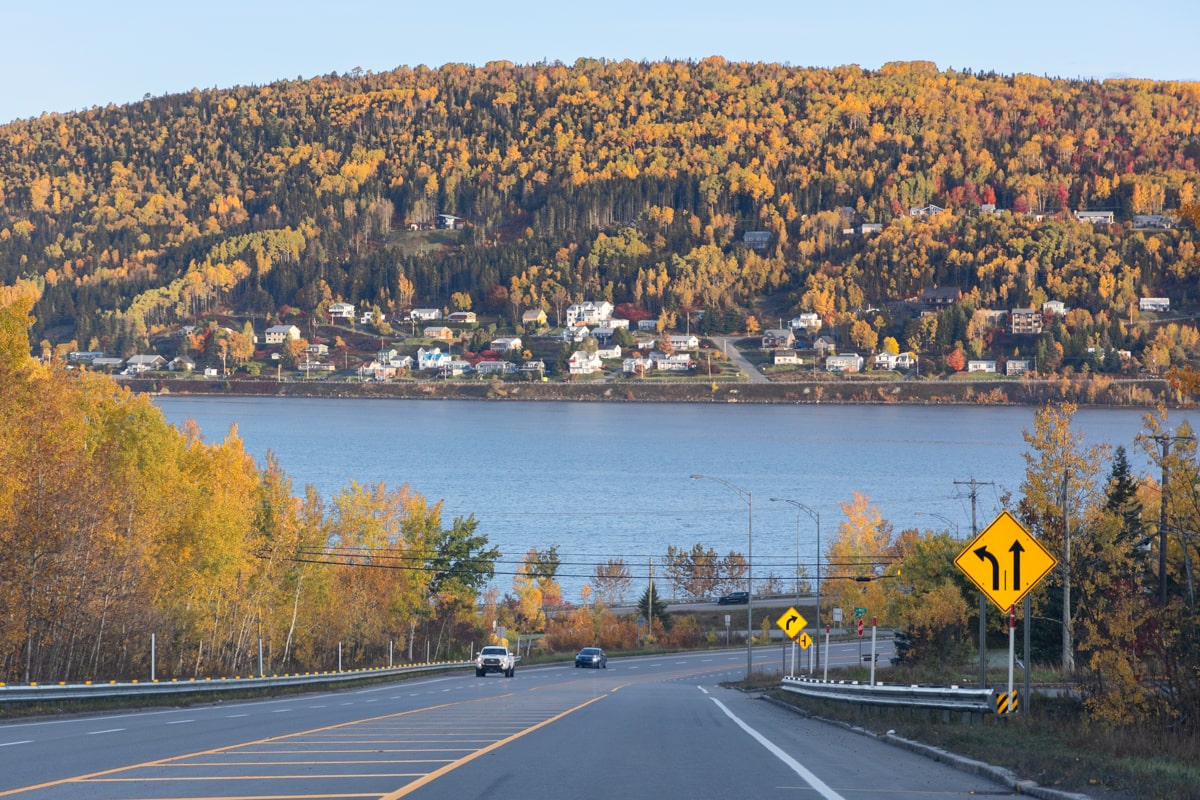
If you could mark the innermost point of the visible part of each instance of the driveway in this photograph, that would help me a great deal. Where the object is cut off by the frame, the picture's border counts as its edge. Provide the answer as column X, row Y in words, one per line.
column 726, row 343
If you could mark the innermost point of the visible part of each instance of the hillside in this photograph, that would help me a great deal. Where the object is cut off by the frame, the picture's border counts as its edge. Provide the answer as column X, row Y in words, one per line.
column 630, row 182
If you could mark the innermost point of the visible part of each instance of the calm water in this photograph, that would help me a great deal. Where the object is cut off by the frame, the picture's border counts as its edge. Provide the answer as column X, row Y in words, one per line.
column 604, row 480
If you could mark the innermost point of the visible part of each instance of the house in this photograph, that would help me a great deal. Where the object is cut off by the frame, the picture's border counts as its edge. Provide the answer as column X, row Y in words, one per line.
column 278, row 334
column 987, row 208
column 895, row 361
column 495, row 368
column 210, row 372
column 425, row 314
column 314, row 366
column 683, row 341
column 1016, row 366
column 1055, row 307
column 438, row 332
column 642, row 343
column 871, row 227
column 584, row 363
column 602, row 333
column 385, row 355
column 107, row 362
column 575, row 333
column 677, row 362
column 925, row 211
column 981, row 366
column 806, row 321
column 941, row 296
column 462, row 318
column 786, row 358
column 505, row 344
column 181, row 364
column 1154, row 304
column 534, row 316
column 341, row 311
column 825, row 344
column 318, row 349
column 143, row 363
column 84, row 355
column 609, row 353
column 1096, row 217
column 536, row 367
column 432, row 358
column 756, row 240
column 589, row 312
column 844, row 362
column 778, row 337
column 455, row 367
column 450, row 222
column 1025, row 321
column 637, row 365
column 369, row 316
column 1152, row 221
column 648, row 325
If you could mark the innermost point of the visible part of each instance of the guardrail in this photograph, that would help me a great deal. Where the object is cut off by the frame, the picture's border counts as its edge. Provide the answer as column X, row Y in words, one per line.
column 58, row 692
column 943, row 698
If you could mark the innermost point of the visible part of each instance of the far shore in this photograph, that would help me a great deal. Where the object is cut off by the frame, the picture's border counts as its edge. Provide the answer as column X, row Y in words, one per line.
column 1140, row 393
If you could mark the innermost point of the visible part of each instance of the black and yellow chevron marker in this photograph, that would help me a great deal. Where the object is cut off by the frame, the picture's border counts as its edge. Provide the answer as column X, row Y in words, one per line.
column 1006, row 702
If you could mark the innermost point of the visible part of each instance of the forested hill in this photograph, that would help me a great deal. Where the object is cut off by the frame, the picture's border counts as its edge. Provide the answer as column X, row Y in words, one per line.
column 633, row 182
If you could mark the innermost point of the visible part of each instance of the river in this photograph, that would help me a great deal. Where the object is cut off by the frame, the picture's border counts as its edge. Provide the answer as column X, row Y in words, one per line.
column 602, row 480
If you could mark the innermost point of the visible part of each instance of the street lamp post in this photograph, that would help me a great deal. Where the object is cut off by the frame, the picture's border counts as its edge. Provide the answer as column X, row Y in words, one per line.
column 748, row 496
column 815, row 516
column 946, row 520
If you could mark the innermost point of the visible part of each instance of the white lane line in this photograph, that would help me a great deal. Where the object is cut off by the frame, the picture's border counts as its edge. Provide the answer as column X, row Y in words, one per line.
column 180, row 721
column 10, row 744
column 235, row 716
column 285, row 710
column 812, row 780
column 110, row 730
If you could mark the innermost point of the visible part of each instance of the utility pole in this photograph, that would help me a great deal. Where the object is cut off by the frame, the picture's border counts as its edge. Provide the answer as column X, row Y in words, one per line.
column 974, row 484
column 1164, row 441
column 1068, row 631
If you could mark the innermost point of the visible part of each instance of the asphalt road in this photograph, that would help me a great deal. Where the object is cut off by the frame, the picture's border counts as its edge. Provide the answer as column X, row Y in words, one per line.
column 656, row 727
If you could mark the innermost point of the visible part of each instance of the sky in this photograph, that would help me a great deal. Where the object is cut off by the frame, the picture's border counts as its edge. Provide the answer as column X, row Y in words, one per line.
column 69, row 55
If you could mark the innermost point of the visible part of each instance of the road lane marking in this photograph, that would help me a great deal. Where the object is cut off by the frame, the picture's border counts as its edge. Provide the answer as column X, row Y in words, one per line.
column 235, row 716
column 10, row 744
column 180, row 721
column 433, row 776
column 110, row 730
column 812, row 780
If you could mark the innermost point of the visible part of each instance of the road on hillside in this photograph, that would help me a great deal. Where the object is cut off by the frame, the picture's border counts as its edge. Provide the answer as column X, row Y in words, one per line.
column 652, row 727
column 727, row 345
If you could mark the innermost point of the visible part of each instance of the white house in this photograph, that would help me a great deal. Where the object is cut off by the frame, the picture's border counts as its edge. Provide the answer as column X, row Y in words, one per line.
column 425, row 314
column 1095, row 217
column 319, row 349
column 505, row 344
column 894, row 361
column 1055, row 307
column 925, row 211
column 785, row 357
column 677, row 362
column 1154, row 304
column 584, row 363
column 432, row 358
column 981, row 366
column 1016, row 366
column 609, row 352
column 684, row 341
column 637, row 364
column 278, row 334
column 589, row 312
column 438, row 332
column 807, row 321
column 341, row 311
column 495, row 368
column 575, row 333
column 648, row 325
column 463, row 317
column 844, row 362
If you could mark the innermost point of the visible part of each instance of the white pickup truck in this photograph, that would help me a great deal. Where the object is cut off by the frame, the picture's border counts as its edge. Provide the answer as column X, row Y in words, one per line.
column 495, row 658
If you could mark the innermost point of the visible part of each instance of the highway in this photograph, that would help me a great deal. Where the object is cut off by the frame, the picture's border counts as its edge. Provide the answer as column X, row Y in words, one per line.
column 650, row 727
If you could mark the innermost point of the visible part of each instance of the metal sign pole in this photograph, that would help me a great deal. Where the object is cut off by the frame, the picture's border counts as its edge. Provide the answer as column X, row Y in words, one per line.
column 872, row 651
column 1012, row 645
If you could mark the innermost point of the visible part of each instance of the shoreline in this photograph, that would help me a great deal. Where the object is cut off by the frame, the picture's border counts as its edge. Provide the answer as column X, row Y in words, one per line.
column 1141, row 393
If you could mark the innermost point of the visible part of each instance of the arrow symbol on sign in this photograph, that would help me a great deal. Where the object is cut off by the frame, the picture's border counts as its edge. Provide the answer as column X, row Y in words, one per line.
column 791, row 620
column 983, row 553
column 1016, row 550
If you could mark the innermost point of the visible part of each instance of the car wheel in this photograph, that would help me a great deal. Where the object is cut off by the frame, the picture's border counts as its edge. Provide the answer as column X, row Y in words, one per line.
column 478, row 673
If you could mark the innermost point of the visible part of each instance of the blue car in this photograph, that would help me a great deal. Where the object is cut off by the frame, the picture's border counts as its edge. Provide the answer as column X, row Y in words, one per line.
column 591, row 657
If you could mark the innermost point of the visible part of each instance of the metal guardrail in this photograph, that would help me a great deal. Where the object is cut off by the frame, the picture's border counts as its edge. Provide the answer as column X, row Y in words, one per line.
column 58, row 692
column 944, row 698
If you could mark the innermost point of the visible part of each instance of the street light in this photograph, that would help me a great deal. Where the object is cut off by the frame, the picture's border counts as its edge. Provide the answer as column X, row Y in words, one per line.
column 816, row 517
column 749, row 498
column 939, row 516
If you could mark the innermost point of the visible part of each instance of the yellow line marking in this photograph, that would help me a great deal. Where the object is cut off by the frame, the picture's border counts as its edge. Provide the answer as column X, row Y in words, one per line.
column 163, row 761
column 433, row 776
column 214, row 778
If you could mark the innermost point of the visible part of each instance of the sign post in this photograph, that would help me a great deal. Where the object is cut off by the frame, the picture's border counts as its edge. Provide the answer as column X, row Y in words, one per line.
column 792, row 623
column 873, row 656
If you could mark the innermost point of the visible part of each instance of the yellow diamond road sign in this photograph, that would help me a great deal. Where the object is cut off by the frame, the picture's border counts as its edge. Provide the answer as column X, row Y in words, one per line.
column 792, row 623
column 1005, row 562
column 804, row 640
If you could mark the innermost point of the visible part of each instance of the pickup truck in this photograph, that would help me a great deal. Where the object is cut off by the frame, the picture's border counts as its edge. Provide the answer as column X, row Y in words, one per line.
column 495, row 658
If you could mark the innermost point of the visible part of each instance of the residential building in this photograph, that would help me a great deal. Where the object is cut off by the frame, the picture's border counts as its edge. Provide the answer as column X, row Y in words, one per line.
column 648, row 325
column 495, row 368
column 869, row 228
column 462, row 318
column 505, row 344
column 1025, row 321
column 806, row 321
column 319, row 349
column 684, row 341
column 1016, row 366
column 981, row 366
column 844, row 362
column 895, row 361
column 278, row 334
column 341, row 311
column 431, row 358
column 181, row 364
column 756, row 240
column 589, row 312
column 925, row 211
column 1096, row 217
column 825, row 344
column 676, row 362
column 584, row 363
column 425, row 314
column 1154, row 304
column 783, row 357
column 1152, row 221
column 941, row 297
column 778, row 337
column 1055, row 307
column 439, row 332
column 609, row 353
column 534, row 316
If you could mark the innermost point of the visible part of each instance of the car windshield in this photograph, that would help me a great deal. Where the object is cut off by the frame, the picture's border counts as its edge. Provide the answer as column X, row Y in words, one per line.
column 492, row 651
column 588, row 651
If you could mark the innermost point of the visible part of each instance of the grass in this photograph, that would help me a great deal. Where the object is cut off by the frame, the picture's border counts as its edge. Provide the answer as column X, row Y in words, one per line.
column 1052, row 743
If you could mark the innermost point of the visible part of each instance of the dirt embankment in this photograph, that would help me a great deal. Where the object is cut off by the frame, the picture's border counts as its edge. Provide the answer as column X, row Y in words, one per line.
column 1141, row 393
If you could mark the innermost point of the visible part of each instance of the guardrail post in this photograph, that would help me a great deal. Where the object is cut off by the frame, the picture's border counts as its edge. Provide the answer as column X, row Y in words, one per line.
column 153, row 654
